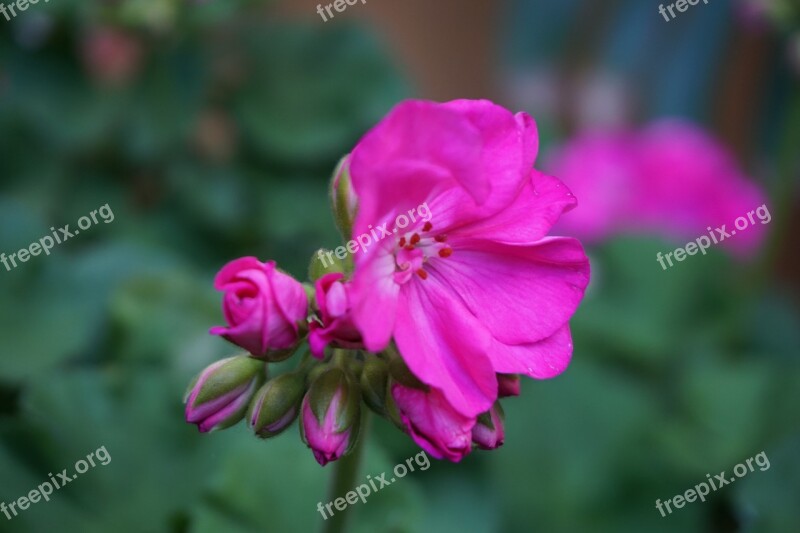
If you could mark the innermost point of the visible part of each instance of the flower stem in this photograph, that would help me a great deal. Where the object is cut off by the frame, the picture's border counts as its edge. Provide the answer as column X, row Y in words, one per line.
column 344, row 480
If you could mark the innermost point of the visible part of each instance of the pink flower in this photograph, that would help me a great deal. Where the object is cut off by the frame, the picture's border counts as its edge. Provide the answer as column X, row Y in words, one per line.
column 334, row 312
column 432, row 422
column 507, row 385
column 479, row 289
column 112, row 56
column 671, row 179
column 261, row 305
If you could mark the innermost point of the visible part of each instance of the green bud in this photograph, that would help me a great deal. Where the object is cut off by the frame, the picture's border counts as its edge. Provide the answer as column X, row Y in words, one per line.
column 344, row 202
column 374, row 383
column 325, row 262
column 276, row 405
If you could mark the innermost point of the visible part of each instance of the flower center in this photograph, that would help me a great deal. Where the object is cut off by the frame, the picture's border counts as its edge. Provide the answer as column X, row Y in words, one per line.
column 415, row 249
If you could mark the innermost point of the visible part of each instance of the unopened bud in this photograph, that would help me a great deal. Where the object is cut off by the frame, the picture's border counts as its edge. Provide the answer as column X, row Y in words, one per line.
column 276, row 405
column 489, row 431
column 507, row 385
column 330, row 416
column 374, row 381
column 219, row 396
column 343, row 198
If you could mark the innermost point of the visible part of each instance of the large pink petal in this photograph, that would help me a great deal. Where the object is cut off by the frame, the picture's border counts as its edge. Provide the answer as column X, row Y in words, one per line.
column 444, row 346
column 417, row 148
column 374, row 296
column 521, row 294
column 529, row 218
column 544, row 359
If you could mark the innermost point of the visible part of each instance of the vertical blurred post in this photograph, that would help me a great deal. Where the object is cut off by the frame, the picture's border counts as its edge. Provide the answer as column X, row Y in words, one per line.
column 447, row 47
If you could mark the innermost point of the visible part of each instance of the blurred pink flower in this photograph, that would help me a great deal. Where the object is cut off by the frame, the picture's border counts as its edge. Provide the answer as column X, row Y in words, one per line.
column 672, row 179
column 112, row 56
column 479, row 289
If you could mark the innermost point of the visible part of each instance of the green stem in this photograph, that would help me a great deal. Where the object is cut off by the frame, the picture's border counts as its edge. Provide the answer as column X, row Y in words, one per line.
column 344, row 480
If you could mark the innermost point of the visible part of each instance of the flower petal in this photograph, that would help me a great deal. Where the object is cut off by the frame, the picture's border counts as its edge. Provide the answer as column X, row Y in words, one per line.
column 521, row 294
column 444, row 346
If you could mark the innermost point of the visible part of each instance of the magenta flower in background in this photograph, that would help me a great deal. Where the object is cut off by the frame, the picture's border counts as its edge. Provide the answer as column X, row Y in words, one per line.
column 480, row 289
column 334, row 313
column 671, row 179
column 262, row 305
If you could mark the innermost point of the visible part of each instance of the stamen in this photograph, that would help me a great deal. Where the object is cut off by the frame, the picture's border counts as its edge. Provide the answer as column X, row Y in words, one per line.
column 440, row 238
column 402, row 241
column 445, row 252
column 415, row 238
column 422, row 274
column 409, row 247
column 427, row 227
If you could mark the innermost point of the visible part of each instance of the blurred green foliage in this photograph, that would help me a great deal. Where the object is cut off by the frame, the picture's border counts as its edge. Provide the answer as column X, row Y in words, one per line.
column 218, row 143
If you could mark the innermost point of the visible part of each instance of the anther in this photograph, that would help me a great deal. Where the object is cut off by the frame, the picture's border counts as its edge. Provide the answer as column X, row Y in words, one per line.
column 445, row 252
column 440, row 238
column 422, row 274
column 415, row 238
column 427, row 227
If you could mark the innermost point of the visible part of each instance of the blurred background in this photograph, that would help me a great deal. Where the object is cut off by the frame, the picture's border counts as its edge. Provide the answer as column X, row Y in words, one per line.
column 211, row 128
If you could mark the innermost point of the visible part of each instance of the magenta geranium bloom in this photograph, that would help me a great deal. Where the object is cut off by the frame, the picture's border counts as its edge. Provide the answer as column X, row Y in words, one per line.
column 480, row 288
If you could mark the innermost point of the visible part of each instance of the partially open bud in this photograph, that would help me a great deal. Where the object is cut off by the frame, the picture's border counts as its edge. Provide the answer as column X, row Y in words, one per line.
column 276, row 405
column 344, row 202
column 219, row 396
column 325, row 262
column 263, row 306
column 507, row 385
column 334, row 324
column 330, row 416
column 432, row 422
column 489, row 431
column 374, row 382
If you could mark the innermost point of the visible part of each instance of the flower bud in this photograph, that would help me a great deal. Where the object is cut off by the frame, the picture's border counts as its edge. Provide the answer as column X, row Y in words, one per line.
column 344, row 201
column 330, row 416
column 433, row 423
column 219, row 396
column 276, row 405
column 489, row 431
column 334, row 324
column 374, row 382
column 325, row 262
column 507, row 385
column 263, row 306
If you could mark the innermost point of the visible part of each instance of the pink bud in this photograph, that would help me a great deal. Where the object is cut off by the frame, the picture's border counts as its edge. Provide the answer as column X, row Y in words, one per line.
column 263, row 306
column 330, row 416
column 489, row 432
column 335, row 324
column 507, row 385
column 432, row 422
